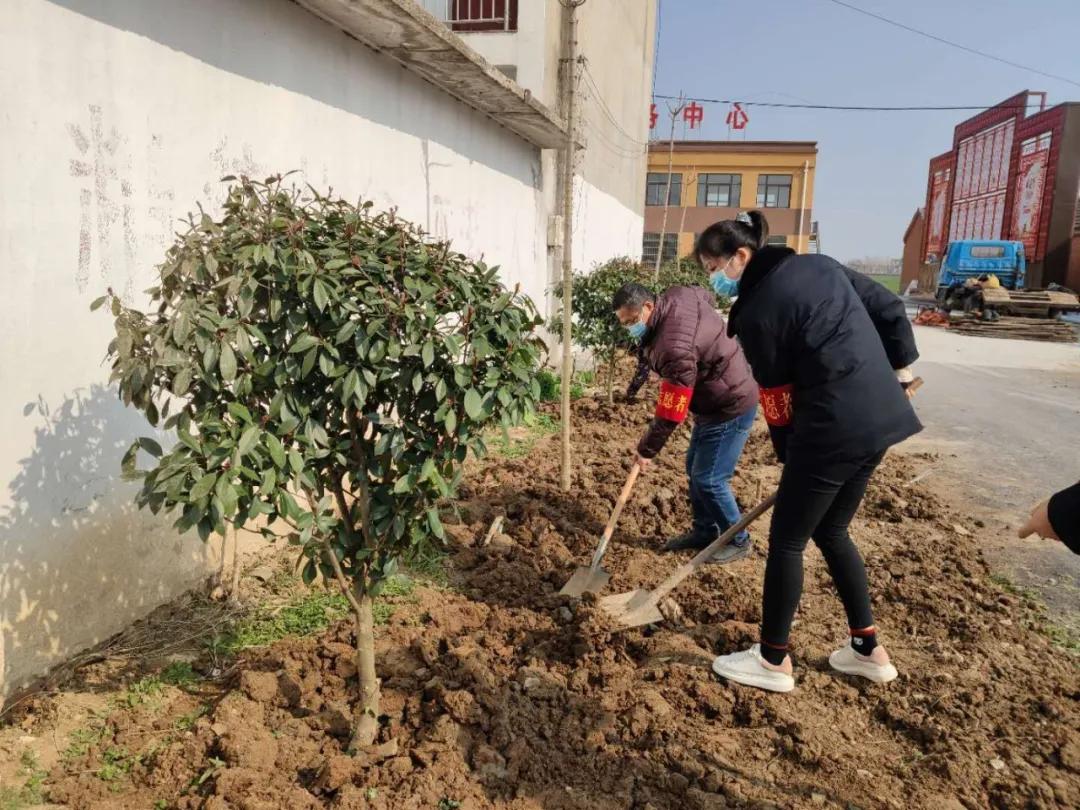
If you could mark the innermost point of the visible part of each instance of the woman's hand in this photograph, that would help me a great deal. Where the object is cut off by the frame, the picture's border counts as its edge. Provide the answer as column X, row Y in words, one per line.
column 643, row 463
column 1039, row 523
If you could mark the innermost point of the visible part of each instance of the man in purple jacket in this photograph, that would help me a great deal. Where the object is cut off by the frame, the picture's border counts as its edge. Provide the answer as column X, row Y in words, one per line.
column 702, row 372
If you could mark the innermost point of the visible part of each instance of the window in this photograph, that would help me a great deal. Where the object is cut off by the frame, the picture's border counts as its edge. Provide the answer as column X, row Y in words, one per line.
column 471, row 16
column 655, row 186
column 719, row 190
column 987, row 251
column 651, row 241
column 774, row 191
column 777, row 241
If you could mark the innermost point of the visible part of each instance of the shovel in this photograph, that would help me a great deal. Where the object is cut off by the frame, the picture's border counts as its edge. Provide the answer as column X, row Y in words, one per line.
column 635, row 608
column 594, row 578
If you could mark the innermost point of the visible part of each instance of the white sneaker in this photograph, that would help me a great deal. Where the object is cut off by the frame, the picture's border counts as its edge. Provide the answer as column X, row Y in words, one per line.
column 748, row 668
column 849, row 662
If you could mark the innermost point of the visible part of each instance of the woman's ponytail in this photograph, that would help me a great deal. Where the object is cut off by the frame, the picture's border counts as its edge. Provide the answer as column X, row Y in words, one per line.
column 720, row 240
column 760, row 227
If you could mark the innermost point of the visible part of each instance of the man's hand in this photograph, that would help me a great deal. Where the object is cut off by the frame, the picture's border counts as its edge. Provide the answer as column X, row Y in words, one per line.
column 643, row 462
column 1039, row 523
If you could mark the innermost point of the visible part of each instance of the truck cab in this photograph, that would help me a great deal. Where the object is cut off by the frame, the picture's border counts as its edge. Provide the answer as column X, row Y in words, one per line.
column 970, row 259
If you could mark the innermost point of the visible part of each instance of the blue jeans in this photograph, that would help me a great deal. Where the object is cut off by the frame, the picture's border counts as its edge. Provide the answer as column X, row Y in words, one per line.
column 710, row 462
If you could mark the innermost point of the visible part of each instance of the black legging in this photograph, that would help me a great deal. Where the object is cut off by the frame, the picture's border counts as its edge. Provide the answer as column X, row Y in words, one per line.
column 818, row 501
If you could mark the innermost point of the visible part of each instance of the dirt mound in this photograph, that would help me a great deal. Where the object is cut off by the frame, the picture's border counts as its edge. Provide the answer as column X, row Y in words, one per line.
column 499, row 693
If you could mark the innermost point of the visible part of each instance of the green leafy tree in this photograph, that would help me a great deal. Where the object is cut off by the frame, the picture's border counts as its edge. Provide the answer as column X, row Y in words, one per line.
column 327, row 370
column 595, row 326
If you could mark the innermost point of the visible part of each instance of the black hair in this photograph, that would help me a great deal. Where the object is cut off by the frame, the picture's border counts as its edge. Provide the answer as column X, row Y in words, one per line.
column 631, row 295
column 722, row 239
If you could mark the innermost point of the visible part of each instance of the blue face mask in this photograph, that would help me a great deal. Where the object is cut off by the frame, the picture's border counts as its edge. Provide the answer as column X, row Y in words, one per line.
column 636, row 330
column 722, row 284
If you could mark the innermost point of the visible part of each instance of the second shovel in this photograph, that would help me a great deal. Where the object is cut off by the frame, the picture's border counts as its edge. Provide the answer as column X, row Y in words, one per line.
column 593, row 578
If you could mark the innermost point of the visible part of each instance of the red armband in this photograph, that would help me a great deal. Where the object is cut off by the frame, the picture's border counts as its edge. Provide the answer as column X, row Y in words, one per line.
column 777, row 405
column 674, row 402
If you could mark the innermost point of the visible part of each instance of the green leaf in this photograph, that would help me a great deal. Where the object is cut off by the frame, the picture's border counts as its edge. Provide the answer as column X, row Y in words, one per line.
column 248, row 439
column 98, row 302
column 321, row 294
column 474, row 405
column 203, row 486
column 451, row 422
column 309, row 362
column 227, row 363
column 296, row 461
column 303, row 343
column 435, row 523
column 336, row 264
column 181, row 382
column 150, row 446
column 326, row 364
column 269, row 481
column 240, row 412
column 428, row 354
column 309, row 573
column 277, row 450
column 440, row 390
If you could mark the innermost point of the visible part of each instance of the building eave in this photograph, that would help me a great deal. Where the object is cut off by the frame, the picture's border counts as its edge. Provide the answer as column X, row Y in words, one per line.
column 424, row 45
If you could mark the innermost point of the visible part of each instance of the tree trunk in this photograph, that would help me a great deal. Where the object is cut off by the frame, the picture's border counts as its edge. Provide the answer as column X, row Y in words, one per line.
column 367, row 711
column 611, row 381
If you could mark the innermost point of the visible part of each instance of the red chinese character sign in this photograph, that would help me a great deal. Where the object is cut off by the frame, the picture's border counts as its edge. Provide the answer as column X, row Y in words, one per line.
column 652, row 116
column 693, row 114
column 737, row 117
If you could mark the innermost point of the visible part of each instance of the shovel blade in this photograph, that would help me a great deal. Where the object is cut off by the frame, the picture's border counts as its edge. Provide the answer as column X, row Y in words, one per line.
column 586, row 580
column 633, row 608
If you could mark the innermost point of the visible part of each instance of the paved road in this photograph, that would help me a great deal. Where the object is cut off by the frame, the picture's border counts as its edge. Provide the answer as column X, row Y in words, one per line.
column 1005, row 417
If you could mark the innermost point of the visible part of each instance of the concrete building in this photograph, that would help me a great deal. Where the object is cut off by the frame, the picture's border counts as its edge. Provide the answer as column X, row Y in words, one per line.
column 1013, row 172
column 120, row 116
column 715, row 180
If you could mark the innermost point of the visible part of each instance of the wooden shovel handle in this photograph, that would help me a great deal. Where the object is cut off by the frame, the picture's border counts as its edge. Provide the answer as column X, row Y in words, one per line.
column 619, row 504
column 685, row 570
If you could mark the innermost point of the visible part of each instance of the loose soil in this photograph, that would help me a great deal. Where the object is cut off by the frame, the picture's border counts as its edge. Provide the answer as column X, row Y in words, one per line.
column 499, row 693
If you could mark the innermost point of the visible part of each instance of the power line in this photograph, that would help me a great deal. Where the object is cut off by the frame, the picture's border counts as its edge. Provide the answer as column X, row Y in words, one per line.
column 856, row 108
column 599, row 97
column 952, row 44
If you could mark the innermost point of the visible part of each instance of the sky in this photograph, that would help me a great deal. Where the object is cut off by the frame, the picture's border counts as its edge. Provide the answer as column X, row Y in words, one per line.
column 872, row 166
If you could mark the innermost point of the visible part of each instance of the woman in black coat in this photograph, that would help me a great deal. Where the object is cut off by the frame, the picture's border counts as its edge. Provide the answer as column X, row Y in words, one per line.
column 830, row 350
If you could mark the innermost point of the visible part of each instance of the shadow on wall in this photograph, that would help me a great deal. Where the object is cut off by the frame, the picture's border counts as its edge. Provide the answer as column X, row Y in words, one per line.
column 78, row 560
column 277, row 42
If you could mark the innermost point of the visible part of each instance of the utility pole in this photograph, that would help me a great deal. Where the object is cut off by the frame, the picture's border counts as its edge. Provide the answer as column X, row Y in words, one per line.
column 570, row 75
column 667, row 192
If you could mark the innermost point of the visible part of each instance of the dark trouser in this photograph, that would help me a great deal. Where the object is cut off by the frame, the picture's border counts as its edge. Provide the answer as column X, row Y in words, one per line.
column 714, row 452
column 815, row 501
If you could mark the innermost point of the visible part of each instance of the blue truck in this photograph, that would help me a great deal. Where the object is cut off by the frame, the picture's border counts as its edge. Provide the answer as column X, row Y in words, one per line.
column 967, row 261
column 989, row 277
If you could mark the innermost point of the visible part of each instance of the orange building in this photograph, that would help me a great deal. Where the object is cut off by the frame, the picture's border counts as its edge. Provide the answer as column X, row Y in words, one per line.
column 715, row 180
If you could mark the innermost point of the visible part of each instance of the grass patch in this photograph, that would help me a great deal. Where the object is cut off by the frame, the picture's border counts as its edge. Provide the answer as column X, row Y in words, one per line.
column 1065, row 638
column 116, row 764
column 142, row 691
column 186, row 722
column 82, row 740
column 888, row 282
column 521, row 441
column 32, row 790
column 179, row 674
column 310, row 613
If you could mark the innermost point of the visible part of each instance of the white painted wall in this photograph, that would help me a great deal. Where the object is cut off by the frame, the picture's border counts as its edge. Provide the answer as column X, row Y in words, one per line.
column 117, row 117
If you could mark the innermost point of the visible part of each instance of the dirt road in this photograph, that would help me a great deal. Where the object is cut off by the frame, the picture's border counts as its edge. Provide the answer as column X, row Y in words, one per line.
column 1005, row 416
